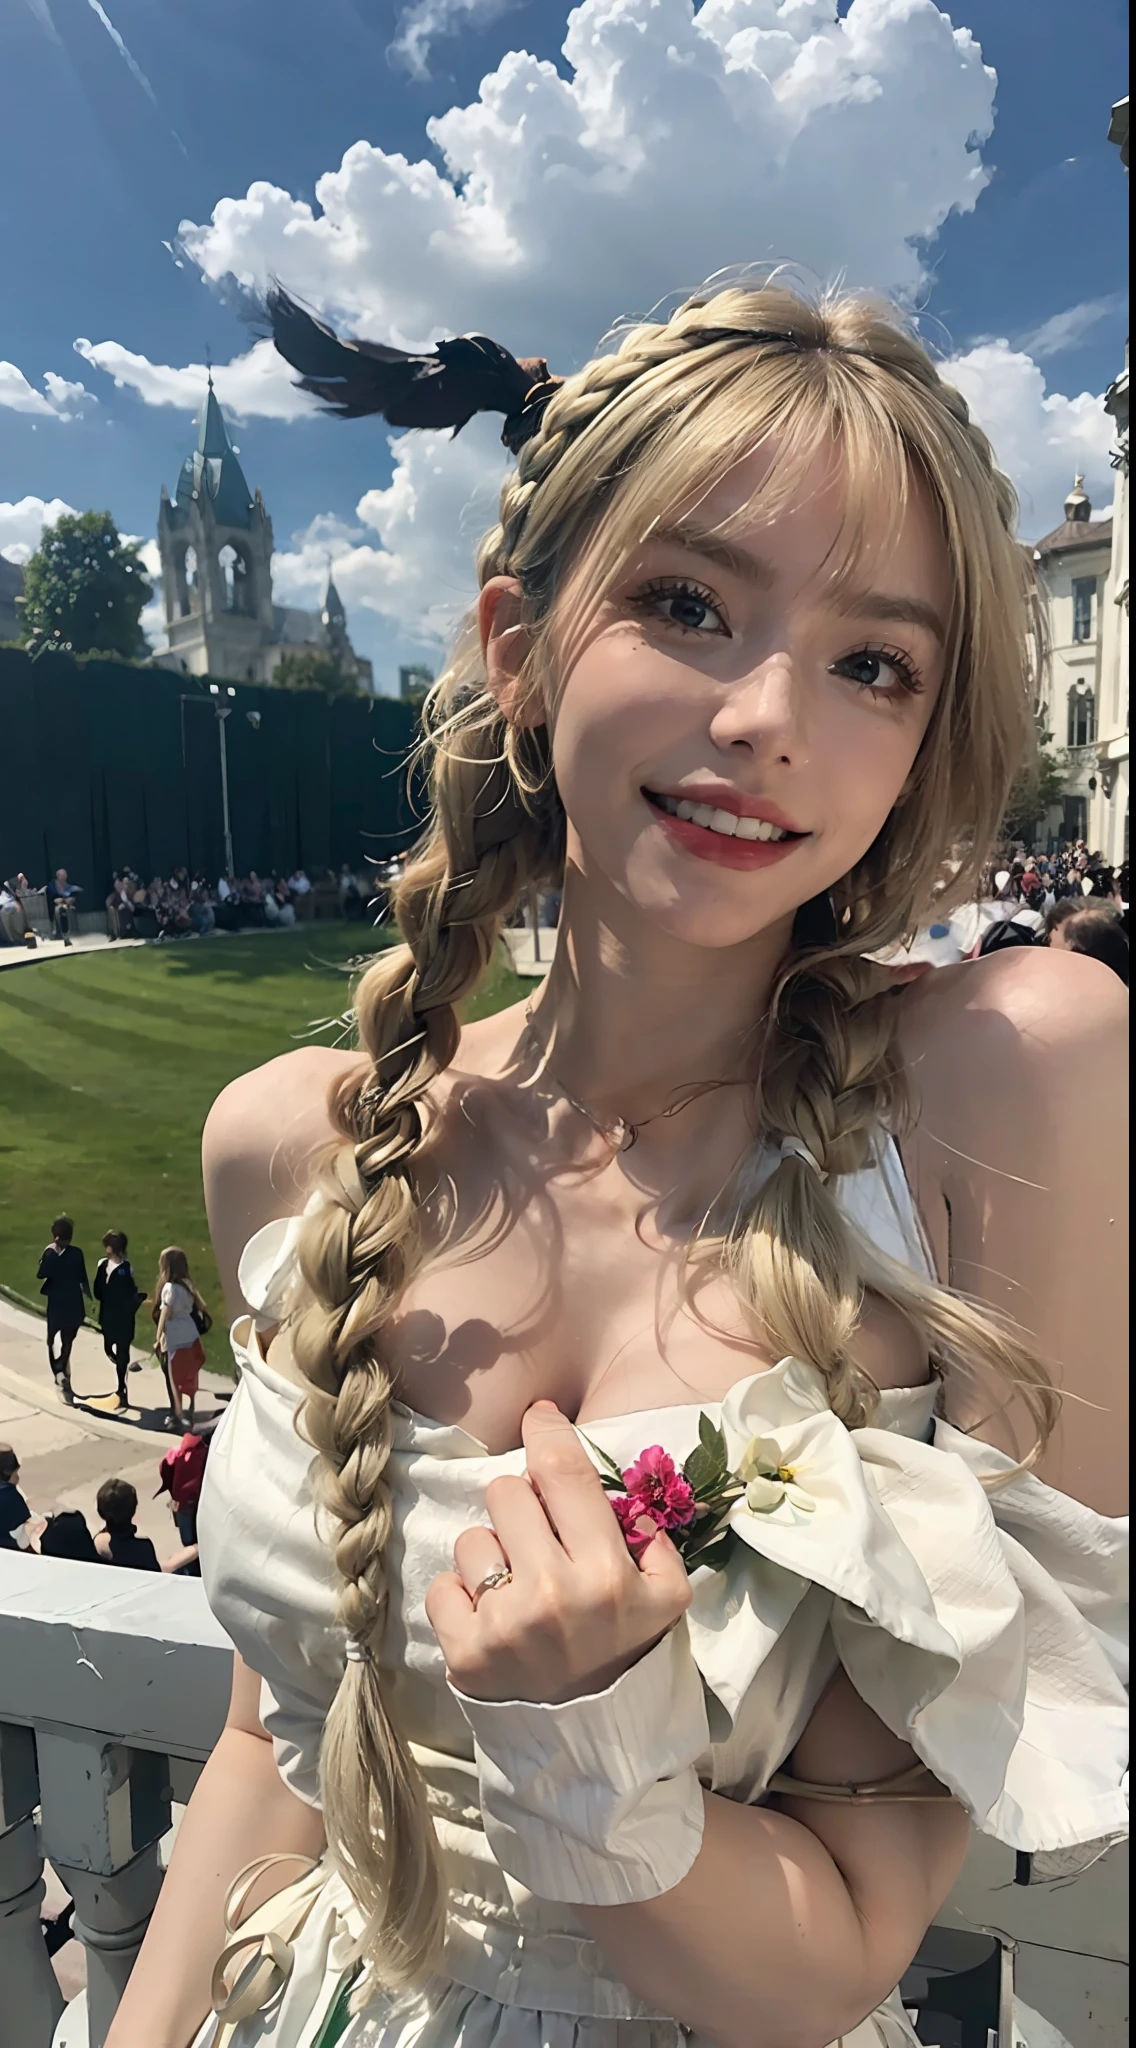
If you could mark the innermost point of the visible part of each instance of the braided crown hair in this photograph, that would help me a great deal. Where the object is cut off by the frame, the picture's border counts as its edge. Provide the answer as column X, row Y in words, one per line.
column 646, row 428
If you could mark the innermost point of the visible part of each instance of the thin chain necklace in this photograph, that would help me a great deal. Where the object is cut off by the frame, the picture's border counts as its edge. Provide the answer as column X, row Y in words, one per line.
column 619, row 1132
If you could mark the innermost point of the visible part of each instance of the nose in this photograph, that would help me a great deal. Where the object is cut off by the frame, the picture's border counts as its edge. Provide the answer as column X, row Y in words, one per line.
column 762, row 714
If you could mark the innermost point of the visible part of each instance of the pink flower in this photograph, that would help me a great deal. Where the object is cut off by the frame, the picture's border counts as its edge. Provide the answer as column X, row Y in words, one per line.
column 660, row 1489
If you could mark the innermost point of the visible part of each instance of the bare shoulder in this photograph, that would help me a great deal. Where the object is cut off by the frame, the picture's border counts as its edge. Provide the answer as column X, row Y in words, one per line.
column 258, row 1144
column 990, row 1022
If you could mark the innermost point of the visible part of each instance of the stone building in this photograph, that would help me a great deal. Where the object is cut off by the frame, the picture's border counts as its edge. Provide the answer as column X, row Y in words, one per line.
column 1073, row 566
column 1108, row 806
column 215, row 542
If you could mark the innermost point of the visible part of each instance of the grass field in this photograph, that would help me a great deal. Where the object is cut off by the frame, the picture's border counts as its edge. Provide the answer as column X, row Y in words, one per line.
column 109, row 1063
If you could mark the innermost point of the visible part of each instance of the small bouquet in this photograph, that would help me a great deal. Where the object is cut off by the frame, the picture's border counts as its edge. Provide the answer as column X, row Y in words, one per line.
column 698, row 1506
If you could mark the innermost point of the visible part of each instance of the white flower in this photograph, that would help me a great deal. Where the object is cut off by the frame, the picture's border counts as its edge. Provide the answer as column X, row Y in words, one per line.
column 770, row 1479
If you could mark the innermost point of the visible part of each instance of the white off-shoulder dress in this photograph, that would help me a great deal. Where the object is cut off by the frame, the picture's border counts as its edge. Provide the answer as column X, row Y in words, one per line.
column 987, row 1630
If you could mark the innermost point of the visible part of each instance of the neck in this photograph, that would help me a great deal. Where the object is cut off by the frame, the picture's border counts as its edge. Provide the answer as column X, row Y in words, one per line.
column 630, row 1016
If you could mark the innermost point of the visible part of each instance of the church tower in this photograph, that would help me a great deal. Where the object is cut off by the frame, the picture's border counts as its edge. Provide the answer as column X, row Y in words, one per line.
column 215, row 540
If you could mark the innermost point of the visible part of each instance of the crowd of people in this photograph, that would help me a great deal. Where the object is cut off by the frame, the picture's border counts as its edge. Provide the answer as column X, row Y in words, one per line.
column 188, row 905
column 1070, row 900
column 177, row 1310
column 116, row 1541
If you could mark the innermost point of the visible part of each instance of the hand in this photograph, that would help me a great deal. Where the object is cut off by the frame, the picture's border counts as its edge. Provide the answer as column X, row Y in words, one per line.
column 579, row 1610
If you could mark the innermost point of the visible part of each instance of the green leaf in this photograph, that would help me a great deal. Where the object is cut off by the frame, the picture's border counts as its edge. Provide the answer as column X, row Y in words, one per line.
column 609, row 1463
column 702, row 1470
column 712, row 1437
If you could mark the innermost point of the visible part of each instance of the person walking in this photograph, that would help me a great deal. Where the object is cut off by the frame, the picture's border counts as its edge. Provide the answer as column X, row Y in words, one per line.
column 183, row 1320
column 63, row 1272
column 119, row 1299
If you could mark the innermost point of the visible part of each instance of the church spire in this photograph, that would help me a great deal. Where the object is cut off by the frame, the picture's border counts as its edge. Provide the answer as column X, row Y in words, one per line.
column 213, row 471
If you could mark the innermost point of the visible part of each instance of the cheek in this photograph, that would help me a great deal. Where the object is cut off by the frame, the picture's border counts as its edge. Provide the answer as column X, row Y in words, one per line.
column 617, row 711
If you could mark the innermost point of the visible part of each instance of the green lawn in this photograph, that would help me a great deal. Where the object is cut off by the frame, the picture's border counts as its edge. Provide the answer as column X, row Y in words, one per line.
column 109, row 1063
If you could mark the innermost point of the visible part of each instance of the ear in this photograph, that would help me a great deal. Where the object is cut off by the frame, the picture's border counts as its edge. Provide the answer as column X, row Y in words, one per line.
column 506, row 644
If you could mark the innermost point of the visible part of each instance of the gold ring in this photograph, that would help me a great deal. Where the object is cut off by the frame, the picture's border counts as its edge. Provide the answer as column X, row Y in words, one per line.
column 501, row 1576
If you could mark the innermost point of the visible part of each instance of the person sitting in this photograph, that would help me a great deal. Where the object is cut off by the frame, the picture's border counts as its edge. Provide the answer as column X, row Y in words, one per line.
column 118, row 1541
column 285, row 908
column 202, row 915
column 15, row 1514
column 13, row 917
column 300, row 890
column 325, row 895
column 67, row 1535
column 61, row 896
column 252, row 900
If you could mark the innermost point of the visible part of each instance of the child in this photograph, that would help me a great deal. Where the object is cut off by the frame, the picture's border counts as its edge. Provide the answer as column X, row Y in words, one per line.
column 118, row 1542
column 63, row 1271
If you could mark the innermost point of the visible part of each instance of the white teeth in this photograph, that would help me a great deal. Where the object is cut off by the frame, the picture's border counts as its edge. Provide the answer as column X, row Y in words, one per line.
column 728, row 823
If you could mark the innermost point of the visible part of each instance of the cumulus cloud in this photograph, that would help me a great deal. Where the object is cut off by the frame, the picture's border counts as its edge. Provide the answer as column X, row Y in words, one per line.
column 1041, row 438
column 423, row 24
column 411, row 556
column 678, row 143
column 22, row 524
column 257, row 383
column 59, row 399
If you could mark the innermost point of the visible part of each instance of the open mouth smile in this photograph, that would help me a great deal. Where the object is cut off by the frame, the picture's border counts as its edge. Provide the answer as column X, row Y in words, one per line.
column 727, row 837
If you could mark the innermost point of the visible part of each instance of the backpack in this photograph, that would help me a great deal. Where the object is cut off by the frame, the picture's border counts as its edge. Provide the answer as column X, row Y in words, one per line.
column 182, row 1471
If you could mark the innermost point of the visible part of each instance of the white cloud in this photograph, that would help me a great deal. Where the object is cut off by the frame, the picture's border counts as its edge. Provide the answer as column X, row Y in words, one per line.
column 421, row 25
column 59, row 399
column 1040, row 438
column 256, row 383
column 1070, row 328
column 417, row 571
column 22, row 524
column 680, row 142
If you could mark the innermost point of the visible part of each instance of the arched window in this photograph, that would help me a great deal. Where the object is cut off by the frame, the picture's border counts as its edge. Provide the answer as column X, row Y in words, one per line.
column 1082, row 716
column 234, row 574
column 188, row 579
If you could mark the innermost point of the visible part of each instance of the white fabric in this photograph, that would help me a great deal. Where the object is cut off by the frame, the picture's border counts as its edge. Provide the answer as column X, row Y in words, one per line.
column 986, row 1629
column 181, row 1330
column 596, row 1801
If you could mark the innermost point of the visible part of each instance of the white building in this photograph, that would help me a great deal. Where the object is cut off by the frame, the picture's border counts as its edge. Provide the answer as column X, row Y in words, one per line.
column 1073, row 564
column 215, row 540
column 1108, row 808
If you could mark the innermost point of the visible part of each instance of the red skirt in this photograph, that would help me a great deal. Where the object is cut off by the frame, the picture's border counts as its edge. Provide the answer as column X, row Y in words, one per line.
column 185, row 1365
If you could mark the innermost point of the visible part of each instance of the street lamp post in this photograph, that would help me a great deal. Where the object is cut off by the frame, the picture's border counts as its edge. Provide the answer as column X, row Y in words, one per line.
column 223, row 711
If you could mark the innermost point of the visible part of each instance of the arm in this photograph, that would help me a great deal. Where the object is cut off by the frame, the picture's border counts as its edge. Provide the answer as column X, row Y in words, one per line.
column 793, row 1925
column 1019, row 1165
column 83, row 1280
column 240, row 1809
column 807, row 1917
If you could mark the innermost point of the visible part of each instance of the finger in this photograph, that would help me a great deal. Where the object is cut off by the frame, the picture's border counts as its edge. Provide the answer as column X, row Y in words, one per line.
column 527, row 1535
column 569, row 1484
column 478, row 1552
column 663, row 1568
column 449, row 1611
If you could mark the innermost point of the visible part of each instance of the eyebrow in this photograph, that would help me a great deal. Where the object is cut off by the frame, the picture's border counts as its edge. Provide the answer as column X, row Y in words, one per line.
column 851, row 604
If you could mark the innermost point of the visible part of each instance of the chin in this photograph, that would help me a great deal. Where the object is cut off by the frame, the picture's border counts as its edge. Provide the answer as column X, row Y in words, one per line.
column 712, row 917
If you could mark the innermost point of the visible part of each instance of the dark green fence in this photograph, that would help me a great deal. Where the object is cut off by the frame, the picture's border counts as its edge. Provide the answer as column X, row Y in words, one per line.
column 105, row 765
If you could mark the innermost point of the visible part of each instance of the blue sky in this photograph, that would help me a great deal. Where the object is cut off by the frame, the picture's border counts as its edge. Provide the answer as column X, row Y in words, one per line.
column 120, row 119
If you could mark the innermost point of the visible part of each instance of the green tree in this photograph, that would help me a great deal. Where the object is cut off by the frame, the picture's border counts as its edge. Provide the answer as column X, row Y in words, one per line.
column 1034, row 792
column 84, row 589
column 311, row 669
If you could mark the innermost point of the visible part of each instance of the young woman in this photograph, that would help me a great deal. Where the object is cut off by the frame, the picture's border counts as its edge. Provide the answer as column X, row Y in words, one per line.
column 693, row 1757
column 178, row 1307
column 119, row 1299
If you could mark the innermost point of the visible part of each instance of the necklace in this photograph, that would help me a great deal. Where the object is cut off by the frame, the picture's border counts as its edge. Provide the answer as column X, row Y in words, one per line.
column 619, row 1132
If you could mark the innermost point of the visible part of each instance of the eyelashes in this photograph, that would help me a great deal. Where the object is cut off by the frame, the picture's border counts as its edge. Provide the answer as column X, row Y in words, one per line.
column 688, row 607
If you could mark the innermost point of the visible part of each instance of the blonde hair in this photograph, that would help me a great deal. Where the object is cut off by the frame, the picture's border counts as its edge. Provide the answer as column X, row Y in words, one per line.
column 639, row 434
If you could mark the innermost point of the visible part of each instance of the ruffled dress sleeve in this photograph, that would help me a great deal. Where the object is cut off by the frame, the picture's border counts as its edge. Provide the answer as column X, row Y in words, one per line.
column 986, row 1627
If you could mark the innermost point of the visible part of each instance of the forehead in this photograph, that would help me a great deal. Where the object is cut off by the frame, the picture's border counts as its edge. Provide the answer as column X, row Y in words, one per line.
column 819, row 522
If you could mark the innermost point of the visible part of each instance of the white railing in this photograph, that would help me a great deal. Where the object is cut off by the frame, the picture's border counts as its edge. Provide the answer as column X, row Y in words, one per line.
column 113, row 1687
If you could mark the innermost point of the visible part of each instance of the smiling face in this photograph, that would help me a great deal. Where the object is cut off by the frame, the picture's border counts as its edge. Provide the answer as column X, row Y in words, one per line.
column 742, row 716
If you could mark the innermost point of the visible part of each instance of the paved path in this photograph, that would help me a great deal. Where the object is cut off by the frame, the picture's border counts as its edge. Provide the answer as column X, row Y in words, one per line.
column 66, row 1453
column 55, row 949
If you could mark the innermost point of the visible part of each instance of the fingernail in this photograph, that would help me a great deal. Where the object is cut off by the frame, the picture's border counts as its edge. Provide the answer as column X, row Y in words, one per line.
column 546, row 1407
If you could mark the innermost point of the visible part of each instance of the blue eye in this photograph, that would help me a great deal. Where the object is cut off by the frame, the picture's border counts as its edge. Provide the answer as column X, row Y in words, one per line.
column 884, row 671
column 677, row 602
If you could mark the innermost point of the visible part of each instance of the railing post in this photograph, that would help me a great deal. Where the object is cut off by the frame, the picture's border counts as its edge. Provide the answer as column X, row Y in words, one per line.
column 31, row 2000
column 105, row 1809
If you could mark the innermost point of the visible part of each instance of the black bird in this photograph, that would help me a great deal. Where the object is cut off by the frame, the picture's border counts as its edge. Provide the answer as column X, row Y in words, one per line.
column 444, row 388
